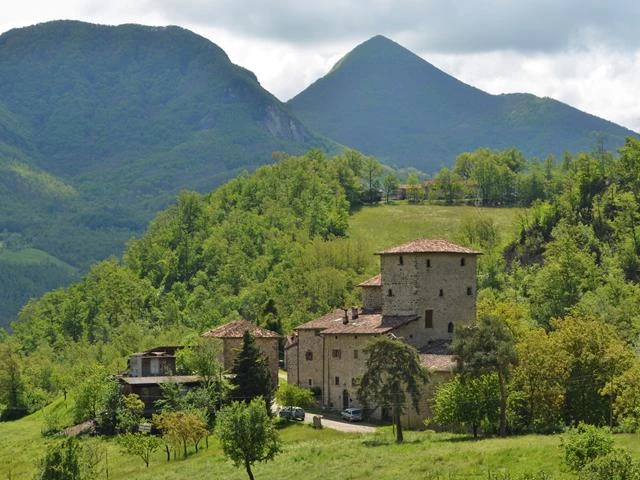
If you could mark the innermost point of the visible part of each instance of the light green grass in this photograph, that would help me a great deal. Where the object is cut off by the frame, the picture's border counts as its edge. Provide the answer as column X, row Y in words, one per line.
column 32, row 256
column 386, row 225
column 316, row 455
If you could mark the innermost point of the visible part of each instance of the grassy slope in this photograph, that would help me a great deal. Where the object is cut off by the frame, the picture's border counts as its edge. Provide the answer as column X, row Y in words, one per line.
column 385, row 225
column 314, row 454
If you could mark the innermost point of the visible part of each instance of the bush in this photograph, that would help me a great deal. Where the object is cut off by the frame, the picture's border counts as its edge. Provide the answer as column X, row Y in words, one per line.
column 584, row 444
column 616, row 465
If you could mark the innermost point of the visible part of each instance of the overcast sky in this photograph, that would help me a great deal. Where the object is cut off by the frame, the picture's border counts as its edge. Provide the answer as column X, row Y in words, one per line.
column 583, row 52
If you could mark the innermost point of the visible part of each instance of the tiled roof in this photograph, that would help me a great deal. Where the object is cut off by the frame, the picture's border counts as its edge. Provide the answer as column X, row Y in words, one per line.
column 427, row 245
column 372, row 282
column 438, row 363
column 333, row 323
column 237, row 328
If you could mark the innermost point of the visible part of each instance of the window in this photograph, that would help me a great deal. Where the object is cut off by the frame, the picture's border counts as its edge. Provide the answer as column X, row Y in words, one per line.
column 450, row 327
column 441, row 293
column 355, row 381
column 400, row 260
column 355, row 354
column 308, row 355
column 335, row 353
column 390, row 293
column 310, row 382
column 462, row 262
column 428, row 263
column 428, row 319
column 337, row 380
column 469, row 291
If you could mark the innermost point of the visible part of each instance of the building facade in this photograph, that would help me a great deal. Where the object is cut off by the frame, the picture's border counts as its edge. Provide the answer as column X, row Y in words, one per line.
column 230, row 334
column 425, row 290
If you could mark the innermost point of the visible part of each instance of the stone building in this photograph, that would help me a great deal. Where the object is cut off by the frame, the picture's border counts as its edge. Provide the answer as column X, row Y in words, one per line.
column 230, row 334
column 425, row 290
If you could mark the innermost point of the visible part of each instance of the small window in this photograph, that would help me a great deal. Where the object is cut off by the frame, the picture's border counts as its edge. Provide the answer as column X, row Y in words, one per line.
column 450, row 327
column 462, row 262
column 469, row 291
column 337, row 380
column 390, row 293
column 308, row 355
column 428, row 263
column 400, row 260
column 441, row 293
column 355, row 381
column 428, row 319
column 335, row 353
column 355, row 354
column 310, row 382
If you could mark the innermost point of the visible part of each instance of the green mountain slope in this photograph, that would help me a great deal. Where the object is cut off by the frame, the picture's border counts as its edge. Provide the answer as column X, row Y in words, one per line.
column 101, row 126
column 386, row 101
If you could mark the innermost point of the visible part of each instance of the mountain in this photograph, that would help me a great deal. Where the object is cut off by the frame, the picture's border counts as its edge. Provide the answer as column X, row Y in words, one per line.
column 101, row 126
column 386, row 101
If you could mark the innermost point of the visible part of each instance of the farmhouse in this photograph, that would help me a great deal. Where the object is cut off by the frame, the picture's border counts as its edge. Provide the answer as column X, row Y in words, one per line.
column 425, row 290
column 148, row 370
column 230, row 334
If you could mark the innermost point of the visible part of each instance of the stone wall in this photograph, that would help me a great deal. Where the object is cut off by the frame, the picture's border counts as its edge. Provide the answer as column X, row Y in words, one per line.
column 442, row 283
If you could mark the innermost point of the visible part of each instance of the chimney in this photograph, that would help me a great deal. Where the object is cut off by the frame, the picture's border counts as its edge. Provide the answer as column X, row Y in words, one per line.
column 354, row 313
column 345, row 319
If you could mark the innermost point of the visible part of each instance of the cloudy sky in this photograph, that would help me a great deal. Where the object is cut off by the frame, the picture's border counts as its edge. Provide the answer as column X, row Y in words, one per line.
column 582, row 52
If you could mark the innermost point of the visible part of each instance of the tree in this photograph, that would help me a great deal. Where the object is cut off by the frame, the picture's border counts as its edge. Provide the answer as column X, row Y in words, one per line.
column 252, row 377
column 389, row 183
column 488, row 347
column 139, row 444
column 11, row 383
column 289, row 394
column 540, row 378
column 247, row 434
column 414, row 188
column 393, row 370
column 372, row 170
column 179, row 428
column 63, row 461
column 469, row 402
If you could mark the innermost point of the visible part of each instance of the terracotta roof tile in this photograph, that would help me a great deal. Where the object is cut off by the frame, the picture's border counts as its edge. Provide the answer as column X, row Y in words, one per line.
column 332, row 323
column 438, row 363
column 427, row 245
column 372, row 282
column 237, row 328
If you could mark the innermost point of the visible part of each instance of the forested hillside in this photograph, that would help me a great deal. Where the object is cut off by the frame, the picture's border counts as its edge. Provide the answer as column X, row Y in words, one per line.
column 274, row 247
column 385, row 101
column 101, row 126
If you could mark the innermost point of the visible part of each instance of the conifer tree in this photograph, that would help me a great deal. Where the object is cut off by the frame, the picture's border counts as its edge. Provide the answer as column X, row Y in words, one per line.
column 252, row 377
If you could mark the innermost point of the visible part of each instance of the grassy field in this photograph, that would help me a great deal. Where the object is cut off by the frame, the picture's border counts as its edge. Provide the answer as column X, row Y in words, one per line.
column 385, row 225
column 312, row 454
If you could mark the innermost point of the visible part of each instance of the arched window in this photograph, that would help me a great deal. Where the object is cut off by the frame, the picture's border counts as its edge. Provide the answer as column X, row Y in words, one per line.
column 450, row 327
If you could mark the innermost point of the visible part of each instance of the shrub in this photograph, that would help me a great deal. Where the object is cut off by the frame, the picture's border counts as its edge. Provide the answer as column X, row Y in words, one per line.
column 584, row 444
column 616, row 465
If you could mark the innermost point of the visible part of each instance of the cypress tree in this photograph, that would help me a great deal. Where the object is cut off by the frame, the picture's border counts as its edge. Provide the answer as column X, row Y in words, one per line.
column 252, row 377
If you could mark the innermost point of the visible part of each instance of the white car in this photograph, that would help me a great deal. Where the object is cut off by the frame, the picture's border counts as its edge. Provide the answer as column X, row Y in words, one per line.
column 352, row 414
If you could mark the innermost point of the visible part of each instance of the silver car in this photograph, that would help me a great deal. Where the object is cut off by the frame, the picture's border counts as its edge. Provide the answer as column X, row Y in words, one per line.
column 352, row 414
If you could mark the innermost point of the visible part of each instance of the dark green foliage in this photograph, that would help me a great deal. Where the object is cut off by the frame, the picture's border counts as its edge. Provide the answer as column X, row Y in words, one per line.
column 615, row 465
column 385, row 101
column 251, row 375
column 488, row 347
column 472, row 402
column 393, row 371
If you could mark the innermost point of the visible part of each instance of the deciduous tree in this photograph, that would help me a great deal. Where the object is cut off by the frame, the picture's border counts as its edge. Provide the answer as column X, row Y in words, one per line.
column 247, row 434
column 393, row 371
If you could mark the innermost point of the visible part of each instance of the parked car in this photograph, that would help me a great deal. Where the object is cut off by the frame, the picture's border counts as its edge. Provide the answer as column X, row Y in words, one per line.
column 291, row 413
column 352, row 414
